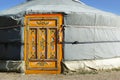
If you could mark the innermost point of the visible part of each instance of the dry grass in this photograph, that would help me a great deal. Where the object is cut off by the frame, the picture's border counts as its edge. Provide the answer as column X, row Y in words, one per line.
column 112, row 75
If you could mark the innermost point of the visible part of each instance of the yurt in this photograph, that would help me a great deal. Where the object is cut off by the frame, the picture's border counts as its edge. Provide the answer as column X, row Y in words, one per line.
column 55, row 36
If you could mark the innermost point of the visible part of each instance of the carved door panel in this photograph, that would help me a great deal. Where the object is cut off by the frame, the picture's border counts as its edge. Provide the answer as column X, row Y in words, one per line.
column 43, row 48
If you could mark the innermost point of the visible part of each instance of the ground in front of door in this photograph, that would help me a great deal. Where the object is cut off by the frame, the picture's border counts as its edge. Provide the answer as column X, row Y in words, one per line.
column 114, row 75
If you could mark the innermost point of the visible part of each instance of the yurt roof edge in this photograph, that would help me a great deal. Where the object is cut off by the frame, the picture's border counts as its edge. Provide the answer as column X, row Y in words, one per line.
column 67, row 6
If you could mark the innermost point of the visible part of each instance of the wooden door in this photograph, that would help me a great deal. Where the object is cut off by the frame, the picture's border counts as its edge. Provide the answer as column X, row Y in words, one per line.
column 43, row 48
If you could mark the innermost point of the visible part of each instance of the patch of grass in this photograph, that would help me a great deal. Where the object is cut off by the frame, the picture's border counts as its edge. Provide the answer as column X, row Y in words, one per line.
column 115, row 69
column 84, row 72
column 80, row 72
column 87, row 72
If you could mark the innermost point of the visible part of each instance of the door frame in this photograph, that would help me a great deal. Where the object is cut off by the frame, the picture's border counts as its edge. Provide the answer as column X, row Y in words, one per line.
column 26, row 29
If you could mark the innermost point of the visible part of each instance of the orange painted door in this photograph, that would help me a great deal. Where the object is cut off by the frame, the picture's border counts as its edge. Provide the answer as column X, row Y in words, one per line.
column 43, row 48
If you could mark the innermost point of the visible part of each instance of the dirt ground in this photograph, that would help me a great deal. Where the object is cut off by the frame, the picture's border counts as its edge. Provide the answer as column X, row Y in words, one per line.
column 114, row 75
